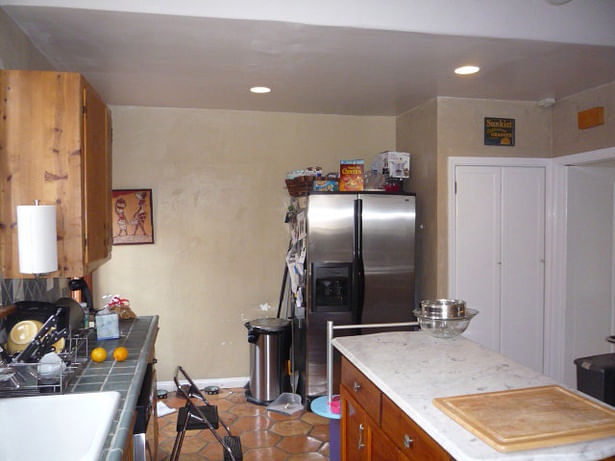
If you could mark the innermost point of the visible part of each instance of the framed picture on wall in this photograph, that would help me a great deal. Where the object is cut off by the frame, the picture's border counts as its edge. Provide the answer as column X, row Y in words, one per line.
column 133, row 218
column 499, row 131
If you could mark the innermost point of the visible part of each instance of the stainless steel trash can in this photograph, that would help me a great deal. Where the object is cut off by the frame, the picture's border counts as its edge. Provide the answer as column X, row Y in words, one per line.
column 269, row 354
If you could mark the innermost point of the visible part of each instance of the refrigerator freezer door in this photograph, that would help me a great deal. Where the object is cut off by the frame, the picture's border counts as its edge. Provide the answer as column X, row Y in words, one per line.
column 388, row 257
column 330, row 227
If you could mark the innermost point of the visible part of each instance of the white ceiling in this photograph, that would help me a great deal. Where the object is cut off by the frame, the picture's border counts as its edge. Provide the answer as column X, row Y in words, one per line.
column 339, row 56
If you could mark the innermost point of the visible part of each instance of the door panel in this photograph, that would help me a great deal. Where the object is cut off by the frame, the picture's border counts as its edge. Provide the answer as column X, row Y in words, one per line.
column 589, row 267
column 388, row 257
column 97, row 161
column 354, row 431
column 499, row 257
column 477, row 250
column 383, row 449
column 330, row 227
column 523, row 236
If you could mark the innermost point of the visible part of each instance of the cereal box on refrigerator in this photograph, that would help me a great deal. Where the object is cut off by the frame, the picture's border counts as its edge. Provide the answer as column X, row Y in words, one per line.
column 351, row 175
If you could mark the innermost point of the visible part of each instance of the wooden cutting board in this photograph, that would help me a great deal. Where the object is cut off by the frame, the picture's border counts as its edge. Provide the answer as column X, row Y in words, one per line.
column 534, row 417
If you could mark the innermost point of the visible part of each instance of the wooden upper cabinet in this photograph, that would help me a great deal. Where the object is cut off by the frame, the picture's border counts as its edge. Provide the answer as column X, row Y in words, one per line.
column 55, row 146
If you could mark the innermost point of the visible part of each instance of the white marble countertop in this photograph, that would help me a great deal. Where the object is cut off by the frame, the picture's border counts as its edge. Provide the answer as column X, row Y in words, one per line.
column 413, row 368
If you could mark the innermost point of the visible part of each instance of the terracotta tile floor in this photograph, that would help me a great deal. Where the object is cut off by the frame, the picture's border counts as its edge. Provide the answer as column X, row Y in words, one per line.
column 264, row 435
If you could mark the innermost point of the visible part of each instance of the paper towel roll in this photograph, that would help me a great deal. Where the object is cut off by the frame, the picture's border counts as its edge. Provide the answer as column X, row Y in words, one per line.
column 37, row 239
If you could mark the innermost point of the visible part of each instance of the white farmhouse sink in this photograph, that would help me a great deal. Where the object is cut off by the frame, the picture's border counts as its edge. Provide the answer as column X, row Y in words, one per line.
column 69, row 427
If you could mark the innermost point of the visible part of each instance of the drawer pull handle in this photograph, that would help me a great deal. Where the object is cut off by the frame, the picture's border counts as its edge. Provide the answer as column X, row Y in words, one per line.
column 408, row 441
column 360, row 444
column 356, row 386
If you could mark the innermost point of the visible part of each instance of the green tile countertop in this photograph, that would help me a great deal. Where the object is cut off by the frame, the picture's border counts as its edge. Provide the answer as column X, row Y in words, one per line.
column 138, row 336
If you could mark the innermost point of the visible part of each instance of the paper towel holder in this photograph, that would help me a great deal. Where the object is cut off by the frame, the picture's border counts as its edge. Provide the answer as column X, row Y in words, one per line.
column 37, row 245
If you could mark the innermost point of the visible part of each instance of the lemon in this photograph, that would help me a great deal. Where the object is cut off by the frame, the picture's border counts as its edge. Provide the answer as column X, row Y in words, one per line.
column 99, row 354
column 120, row 354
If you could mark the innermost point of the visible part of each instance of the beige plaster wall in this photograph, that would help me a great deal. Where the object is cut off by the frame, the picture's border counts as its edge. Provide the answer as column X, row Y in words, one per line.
column 219, row 205
column 460, row 134
column 16, row 50
column 447, row 127
column 417, row 133
column 460, row 128
column 567, row 138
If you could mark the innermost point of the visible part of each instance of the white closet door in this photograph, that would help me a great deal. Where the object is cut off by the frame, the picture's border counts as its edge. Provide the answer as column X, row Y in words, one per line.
column 499, row 257
column 522, row 270
column 589, row 297
column 477, row 249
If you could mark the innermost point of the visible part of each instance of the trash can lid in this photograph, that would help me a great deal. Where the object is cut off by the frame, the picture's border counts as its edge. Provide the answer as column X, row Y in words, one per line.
column 271, row 325
column 597, row 362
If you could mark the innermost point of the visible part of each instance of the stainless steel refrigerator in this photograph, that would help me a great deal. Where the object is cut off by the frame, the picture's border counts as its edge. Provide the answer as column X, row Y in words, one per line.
column 359, row 268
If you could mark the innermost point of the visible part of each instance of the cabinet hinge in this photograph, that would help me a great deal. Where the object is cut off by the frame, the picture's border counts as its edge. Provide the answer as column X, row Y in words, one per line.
column 455, row 187
column 84, row 109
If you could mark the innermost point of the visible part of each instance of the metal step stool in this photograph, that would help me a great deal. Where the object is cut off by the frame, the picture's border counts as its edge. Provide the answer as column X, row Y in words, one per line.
column 193, row 417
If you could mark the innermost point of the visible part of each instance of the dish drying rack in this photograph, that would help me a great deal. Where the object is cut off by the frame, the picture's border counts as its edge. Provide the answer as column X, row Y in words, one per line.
column 27, row 375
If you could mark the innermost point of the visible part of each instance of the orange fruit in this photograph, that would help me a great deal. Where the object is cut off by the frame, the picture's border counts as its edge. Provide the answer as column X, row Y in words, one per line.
column 98, row 354
column 120, row 354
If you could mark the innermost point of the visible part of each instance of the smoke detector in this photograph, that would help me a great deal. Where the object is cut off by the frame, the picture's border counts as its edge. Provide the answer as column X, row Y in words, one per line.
column 546, row 102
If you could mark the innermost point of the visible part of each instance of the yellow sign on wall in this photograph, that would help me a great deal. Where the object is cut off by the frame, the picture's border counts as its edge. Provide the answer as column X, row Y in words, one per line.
column 499, row 131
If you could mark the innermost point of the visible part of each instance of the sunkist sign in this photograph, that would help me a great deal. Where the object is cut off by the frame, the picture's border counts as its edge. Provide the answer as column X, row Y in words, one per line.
column 499, row 131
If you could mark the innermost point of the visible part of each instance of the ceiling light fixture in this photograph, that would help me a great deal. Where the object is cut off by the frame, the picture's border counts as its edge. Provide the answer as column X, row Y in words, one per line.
column 260, row 89
column 467, row 70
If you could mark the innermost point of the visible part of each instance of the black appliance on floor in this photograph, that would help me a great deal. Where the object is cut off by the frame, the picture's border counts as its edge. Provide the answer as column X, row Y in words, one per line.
column 145, row 433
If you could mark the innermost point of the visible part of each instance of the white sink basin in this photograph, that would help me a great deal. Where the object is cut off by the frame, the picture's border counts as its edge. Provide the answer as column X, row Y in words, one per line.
column 69, row 427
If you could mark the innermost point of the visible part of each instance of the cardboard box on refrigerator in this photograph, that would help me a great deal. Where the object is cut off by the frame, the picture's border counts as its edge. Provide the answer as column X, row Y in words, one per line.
column 392, row 164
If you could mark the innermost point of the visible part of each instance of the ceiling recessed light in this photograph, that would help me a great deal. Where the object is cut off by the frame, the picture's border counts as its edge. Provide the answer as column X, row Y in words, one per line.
column 467, row 70
column 260, row 89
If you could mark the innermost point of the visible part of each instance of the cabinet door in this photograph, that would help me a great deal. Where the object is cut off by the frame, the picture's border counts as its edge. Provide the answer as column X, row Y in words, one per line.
column 383, row 449
column 40, row 141
column 97, row 179
column 355, row 432
column 412, row 441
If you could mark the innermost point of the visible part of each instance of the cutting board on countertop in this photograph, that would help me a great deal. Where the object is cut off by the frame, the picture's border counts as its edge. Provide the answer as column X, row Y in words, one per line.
column 534, row 417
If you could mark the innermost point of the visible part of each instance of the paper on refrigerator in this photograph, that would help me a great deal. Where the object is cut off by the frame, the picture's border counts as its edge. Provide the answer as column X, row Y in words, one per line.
column 296, row 266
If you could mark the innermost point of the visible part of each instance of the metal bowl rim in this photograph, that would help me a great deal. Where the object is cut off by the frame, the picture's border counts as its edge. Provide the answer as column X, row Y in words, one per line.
column 469, row 314
column 444, row 308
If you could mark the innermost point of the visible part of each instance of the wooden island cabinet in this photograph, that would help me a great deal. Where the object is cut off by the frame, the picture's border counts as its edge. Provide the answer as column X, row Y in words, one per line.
column 373, row 428
column 55, row 147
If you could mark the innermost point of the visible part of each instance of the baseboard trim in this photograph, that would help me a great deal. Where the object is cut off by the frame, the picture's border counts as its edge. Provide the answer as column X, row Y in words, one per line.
column 240, row 381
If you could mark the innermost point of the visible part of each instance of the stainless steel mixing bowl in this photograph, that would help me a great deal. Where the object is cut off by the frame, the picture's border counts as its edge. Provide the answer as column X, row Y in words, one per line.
column 443, row 308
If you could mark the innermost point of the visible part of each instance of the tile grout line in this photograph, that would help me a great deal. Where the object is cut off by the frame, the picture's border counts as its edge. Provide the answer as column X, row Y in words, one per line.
column 270, row 450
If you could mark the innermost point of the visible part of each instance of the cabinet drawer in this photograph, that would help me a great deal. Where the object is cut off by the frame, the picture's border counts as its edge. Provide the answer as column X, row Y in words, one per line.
column 408, row 436
column 362, row 389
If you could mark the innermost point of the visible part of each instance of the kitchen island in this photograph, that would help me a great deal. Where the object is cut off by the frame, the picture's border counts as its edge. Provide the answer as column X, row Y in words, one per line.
column 410, row 369
column 139, row 337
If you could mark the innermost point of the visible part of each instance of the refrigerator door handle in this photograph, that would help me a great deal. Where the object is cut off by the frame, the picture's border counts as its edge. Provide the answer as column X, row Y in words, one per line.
column 357, row 261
